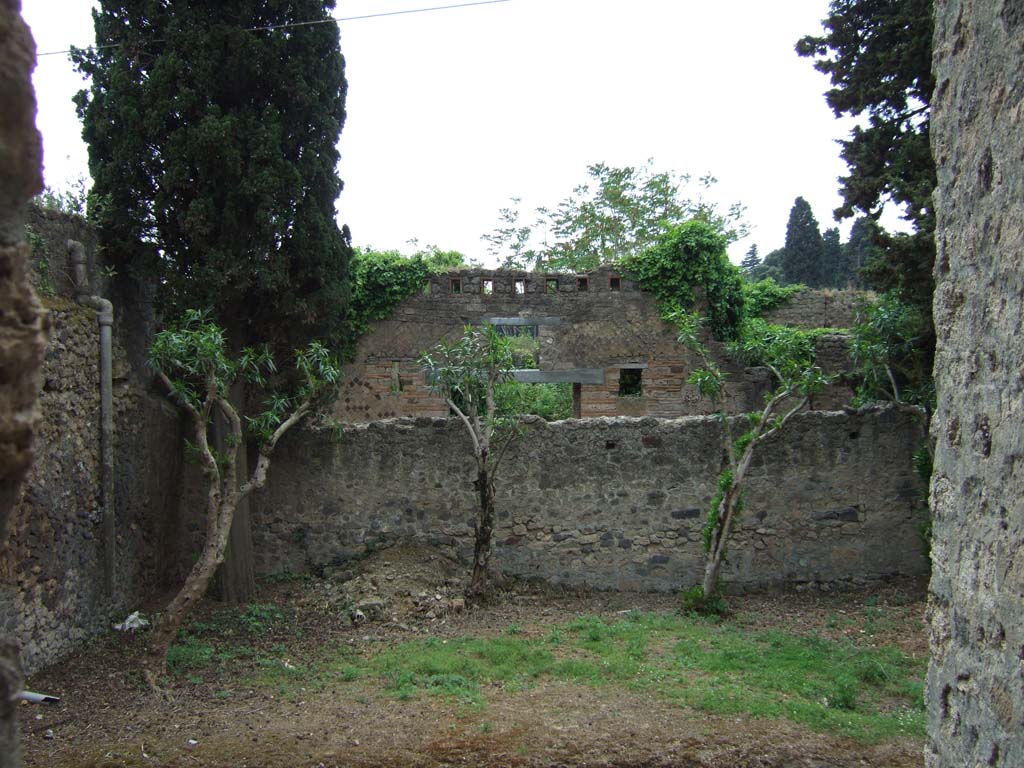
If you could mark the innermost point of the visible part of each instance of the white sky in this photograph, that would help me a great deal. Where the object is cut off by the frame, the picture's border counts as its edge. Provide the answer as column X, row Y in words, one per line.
column 452, row 112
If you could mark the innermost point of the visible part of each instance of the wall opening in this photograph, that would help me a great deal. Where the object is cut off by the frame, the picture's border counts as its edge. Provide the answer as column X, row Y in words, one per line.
column 614, row 283
column 577, row 401
column 631, row 382
column 519, row 286
column 551, row 285
column 582, row 284
column 454, row 285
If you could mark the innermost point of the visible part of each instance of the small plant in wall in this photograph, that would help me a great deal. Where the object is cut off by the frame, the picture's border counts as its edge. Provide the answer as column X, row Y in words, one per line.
column 192, row 362
column 466, row 372
column 789, row 355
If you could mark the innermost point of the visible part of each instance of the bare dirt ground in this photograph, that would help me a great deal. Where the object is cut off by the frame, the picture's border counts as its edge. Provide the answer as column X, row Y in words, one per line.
column 106, row 716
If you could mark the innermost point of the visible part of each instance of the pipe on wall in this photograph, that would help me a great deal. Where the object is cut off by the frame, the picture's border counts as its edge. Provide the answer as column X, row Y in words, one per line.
column 105, row 318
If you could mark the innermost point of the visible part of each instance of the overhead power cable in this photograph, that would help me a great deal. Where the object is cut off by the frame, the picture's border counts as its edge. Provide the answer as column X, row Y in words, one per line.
column 332, row 19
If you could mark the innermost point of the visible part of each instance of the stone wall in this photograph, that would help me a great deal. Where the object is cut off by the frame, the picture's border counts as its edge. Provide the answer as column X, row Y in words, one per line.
column 608, row 503
column 827, row 308
column 51, row 570
column 976, row 680
column 584, row 336
column 22, row 322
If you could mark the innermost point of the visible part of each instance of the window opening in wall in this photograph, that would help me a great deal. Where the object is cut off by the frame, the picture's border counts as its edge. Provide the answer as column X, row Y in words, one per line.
column 630, row 382
column 519, row 286
column 582, row 283
column 517, row 330
column 455, row 285
column 577, row 401
column 551, row 285
column 487, row 287
column 426, row 289
column 396, row 377
column 614, row 283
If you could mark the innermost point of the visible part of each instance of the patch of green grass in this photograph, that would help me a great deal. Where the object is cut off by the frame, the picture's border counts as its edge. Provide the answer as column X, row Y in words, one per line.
column 189, row 654
column 864, row 693
column 868, row 694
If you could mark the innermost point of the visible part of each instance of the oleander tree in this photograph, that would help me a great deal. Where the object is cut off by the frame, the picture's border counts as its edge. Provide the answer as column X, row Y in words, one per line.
column 467, row 372
column 789, row 355
column 192, row 361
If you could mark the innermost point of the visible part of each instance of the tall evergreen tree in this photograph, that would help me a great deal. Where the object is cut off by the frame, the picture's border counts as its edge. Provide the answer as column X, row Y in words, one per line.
column 834, row 273
column 862, row 247
column 804, row 257
column 751, row 261
column 878, row 56
column 211, row 128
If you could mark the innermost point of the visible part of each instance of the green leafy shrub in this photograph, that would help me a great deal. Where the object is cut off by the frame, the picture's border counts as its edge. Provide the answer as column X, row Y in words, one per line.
column 687, row 257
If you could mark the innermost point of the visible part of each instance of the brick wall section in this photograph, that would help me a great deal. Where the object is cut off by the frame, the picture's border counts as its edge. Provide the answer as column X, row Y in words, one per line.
column 608, row 503
column 599, row 328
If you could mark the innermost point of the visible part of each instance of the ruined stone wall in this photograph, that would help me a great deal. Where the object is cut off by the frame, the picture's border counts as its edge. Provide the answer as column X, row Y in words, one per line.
column 976, row 680
column 609, row 503
column 826, row 308
column 22, row 322
column 600, row 329
column 51, row 570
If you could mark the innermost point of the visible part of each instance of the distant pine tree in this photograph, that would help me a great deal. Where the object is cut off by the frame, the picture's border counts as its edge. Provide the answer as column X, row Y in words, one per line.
column 804, row 258
column 834, row 272
column 751, row 261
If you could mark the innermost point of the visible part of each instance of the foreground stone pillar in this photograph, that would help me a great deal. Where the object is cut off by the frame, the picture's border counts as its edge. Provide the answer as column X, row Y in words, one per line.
column 976, row 681
column 22, row 320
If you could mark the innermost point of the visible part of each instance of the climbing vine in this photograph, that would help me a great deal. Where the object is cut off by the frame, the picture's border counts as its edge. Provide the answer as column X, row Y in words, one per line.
column 765, row 295
column 687, row 257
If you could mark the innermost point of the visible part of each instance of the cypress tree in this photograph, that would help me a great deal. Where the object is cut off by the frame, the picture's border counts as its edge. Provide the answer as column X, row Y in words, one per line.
column 834, row 271
column 211, row 128
column 804, row 257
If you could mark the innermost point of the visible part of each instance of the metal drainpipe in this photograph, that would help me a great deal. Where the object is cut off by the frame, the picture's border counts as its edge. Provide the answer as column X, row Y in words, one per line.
column 105, row 318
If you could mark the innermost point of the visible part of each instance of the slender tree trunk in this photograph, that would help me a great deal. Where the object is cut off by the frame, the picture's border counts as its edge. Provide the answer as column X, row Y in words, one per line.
column 483, row 533
column 236, row 576
column 221, row 500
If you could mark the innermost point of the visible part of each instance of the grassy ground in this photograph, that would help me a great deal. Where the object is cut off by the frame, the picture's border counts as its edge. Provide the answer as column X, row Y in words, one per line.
column 538, row 679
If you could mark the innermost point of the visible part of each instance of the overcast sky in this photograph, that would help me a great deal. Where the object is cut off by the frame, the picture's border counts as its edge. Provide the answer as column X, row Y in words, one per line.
column 452, row 112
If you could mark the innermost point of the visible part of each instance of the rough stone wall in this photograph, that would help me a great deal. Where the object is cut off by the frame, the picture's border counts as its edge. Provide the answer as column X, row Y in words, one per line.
column 609, row 503
column 51, row 570
column 976, row 681
column 51, row 271
column 598, row 329
column 22, row 321
column 826, row 308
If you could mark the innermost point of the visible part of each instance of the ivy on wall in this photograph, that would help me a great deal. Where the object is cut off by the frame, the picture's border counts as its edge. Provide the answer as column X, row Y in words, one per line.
column 687, row 257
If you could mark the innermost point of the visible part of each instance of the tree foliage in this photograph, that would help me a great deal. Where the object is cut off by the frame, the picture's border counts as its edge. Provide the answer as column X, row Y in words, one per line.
column 886, row 349
column 751, row 260
column 804, row 253
column 789, row 355
column 191, row 359
column 212, row 147
column 878, row 56
column 686, row 257
column 466, row 372
column 617, row 213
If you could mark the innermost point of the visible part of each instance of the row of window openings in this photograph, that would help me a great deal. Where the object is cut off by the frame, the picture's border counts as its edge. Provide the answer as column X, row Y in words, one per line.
column 519, row 285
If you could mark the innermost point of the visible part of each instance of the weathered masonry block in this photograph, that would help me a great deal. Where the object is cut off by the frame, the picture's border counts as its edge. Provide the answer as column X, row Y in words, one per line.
column 976, row 680
column 610, row 503
column 595, row 331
